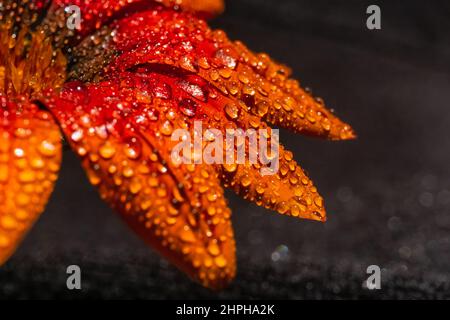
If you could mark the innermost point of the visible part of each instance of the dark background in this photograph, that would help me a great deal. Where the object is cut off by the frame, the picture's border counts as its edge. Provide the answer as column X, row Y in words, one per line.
column 387, row 193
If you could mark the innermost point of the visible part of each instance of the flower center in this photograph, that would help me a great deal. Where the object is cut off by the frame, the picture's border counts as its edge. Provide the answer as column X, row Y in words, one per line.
column 29, row 64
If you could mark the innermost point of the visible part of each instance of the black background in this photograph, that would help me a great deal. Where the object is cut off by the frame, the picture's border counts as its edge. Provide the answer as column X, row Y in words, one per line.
column 387, row 193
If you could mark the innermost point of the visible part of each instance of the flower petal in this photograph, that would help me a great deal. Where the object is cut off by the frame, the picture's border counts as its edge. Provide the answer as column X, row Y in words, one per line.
column 30, row 157
column 284, row 186
column 122, row 135
column 179, row 40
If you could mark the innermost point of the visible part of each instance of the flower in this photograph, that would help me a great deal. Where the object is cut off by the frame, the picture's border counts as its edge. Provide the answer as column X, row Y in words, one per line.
column 116, row 88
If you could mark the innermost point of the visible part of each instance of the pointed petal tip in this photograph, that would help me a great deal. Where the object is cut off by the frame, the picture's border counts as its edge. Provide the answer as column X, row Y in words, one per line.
column 346, row 133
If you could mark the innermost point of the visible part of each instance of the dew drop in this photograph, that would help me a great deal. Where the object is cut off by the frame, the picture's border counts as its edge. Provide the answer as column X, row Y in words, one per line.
column 232, row 111
column 187, row 235
column 214, row 249
column 133, row 148
column 9, row 223
column 262, row 108
column 226, row 59
column 27, row 176
column 166, row 128
column 188, row 107
column 107, row 151
column 220, row 261
column 318, row 201
column 77, row 135
column 230, row 167
column 245, row 181
column 282, row 207
column 135, row 186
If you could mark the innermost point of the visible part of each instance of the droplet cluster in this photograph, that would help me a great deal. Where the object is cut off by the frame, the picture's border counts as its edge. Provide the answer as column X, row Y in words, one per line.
column 179, row 209
column 264, row 86
column 138, row 71
column 30, row 156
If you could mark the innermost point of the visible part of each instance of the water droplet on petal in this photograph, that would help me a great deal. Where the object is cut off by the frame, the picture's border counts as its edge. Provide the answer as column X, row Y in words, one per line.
column 232, row 111
column 107, row 150
column 166, row 128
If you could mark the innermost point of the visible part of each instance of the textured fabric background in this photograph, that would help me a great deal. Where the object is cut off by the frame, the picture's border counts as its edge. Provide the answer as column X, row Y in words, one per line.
column 387, row 193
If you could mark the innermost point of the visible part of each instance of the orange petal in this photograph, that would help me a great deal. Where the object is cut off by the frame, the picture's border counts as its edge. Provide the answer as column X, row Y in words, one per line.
column 30, row 157
column 178, row 209
column 285, row 188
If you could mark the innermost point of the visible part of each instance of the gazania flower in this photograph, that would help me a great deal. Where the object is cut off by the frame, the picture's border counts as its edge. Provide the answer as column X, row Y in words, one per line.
column 116, row 88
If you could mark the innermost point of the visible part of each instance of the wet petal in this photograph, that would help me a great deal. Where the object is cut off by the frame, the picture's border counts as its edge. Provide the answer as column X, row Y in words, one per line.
column 176, row 39
column 30, row 156
column 122, row 133
column 279, row 184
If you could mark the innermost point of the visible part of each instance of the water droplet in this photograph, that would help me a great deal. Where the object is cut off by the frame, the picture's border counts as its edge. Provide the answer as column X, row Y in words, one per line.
column 77, row 135
column 4, row 241
column 133, row 148
column 245, row 181
column 47, row 148
column 187, row 64
column 162, row 91
column 135, row 186
column 22, row 133
column 248, row 90
column 295, row 211
column 19, row 153
column 226, row 59
column 262, row 108
column 260, row 189
column 282, row 207
column 230, row 167
column 193, row 89
column 107, row 150
column 203, row 63
column 232, row 111
column 220, row 261
column 8, row 223
column 214, row 75
column 187, row 235
column 318, row 201
column 214, row 249
column 27, row 176
column 225, row 73
column 211, row 210
column 243, row 77
column 94, row 179
column 22, row 199
column 166, row 128
column 128, row 172
column 188, row 107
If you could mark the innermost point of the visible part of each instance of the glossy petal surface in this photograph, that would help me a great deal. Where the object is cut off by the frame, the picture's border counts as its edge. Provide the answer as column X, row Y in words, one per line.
column 137, row 73
column 30, row 157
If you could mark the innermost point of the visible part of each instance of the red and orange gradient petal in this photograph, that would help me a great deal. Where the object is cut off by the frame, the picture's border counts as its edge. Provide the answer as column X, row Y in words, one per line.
column 122, row 135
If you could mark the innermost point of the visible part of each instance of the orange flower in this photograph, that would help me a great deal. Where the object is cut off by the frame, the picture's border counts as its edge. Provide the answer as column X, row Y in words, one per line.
column 117, row 88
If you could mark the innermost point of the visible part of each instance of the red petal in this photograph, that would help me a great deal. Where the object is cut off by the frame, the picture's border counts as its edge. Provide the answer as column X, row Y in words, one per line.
column 177, row 39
